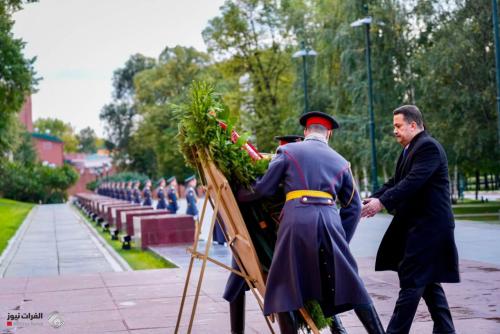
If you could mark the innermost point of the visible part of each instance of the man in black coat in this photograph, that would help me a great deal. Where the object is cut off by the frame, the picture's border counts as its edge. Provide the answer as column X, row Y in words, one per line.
column 419, row 243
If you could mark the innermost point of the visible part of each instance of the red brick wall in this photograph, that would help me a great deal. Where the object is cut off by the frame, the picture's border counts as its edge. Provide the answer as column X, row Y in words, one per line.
column 49, row 151
column 25, row 116
column 85, row 177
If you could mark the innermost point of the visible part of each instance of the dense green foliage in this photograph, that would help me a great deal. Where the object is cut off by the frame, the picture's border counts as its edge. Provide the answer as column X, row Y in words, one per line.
column 87, row 140
column 201, row 136
column 437, row 55
column 17, row 78
column 36, row 183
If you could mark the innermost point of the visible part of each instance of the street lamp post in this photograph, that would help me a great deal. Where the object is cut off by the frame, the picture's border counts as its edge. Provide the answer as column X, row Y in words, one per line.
column 305, row 52
column 367, row 22
column 497, row 59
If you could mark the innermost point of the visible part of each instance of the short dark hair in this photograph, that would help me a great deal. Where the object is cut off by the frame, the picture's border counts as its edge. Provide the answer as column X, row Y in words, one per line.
column 410, row 114
column 318, row 128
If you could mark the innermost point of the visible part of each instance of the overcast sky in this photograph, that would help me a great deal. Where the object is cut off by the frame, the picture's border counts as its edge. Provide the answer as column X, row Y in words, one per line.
column 79, row 43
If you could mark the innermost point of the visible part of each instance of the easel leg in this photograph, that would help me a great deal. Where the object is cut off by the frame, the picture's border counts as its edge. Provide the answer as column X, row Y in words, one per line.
column 204, row 263
column 195, row 247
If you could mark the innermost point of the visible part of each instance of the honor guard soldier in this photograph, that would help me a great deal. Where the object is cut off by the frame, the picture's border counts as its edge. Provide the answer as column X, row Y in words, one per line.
column 236, row 286
column 191, row 197
column 114, row 193
column 146, row 194
column 124, row 191
column 136, row 193
column 172, row 206
column 160, row 193
column 117, row 190
column 312, row 260
column 129, row 191
column 121, row 190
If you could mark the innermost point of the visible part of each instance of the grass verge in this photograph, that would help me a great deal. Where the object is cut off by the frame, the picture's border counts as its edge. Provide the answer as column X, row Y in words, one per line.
column 137, row 259
column 478, row 211
column 12, row 214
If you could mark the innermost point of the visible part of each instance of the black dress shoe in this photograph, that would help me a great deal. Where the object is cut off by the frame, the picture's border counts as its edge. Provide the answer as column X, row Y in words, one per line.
column 369, row 318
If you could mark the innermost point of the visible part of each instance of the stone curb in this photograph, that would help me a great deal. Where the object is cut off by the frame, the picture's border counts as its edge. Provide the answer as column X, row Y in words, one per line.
column 114, row 259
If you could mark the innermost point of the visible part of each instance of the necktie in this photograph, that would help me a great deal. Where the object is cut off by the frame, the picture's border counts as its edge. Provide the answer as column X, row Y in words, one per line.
column 405, row 152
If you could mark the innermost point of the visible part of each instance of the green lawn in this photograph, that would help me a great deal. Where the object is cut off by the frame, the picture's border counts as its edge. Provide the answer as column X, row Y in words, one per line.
column 138, row 259
column 473, row 207
column 12, row 214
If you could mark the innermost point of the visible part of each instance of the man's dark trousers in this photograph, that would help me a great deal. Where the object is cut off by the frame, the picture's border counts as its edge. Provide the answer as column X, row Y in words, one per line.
column 407, row 303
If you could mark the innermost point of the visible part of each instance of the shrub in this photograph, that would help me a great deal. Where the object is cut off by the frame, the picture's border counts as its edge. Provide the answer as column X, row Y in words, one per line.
column 35, row 182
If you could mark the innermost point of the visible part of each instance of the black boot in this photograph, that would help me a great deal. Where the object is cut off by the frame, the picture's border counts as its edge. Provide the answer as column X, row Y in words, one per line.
column 287, row 322
column 336, row 327
column 237, row 314
column 369, row 318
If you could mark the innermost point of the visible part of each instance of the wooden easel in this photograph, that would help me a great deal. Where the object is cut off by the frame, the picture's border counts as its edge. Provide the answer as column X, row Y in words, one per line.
column 219, row 193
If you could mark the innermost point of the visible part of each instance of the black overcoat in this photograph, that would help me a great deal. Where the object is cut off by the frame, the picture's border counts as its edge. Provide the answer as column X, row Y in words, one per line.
column 419, row 243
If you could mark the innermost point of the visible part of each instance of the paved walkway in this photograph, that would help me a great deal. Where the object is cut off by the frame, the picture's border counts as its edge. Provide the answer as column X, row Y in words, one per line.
column 55, row 242
column 475, row 241
column 147, row 302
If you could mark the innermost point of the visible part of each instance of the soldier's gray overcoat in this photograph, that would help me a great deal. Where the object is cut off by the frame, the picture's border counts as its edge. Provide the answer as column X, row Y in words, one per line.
column 312, row 260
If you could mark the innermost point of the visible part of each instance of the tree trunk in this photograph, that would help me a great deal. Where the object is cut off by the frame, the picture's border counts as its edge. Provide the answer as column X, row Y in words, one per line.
column 477, row 184
column 486, row 183
column 454, row 184
column 365, row 181
column 357, row 179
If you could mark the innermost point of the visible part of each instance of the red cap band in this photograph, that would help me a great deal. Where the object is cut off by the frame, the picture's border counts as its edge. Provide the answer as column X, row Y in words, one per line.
column 319, row 120
column 283, row 142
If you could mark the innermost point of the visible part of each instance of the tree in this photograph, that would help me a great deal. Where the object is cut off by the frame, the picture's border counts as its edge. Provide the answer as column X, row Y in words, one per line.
column 455, row 69
column 120, row 115
column 123, row 78
column 58, row 128
column 119, row 118
column 87, row 140
column 338, row 76
column 154, row 150
column 17, row 76
column 25, row 153
column 254, row 41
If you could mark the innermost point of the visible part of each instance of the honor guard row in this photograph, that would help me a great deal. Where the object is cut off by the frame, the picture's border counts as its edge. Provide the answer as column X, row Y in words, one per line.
column 166, row 193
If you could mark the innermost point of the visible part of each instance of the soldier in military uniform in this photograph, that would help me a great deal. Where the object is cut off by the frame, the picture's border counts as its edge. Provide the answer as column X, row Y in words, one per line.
column 160, row 193
column 312, row 260
column 120, row 190
column 136, row 193
column 146, row 194
column 191, row 197
column 112, row 192
column 236, row 286
column 124, row 191
column 129, row 191
column 172, row 206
